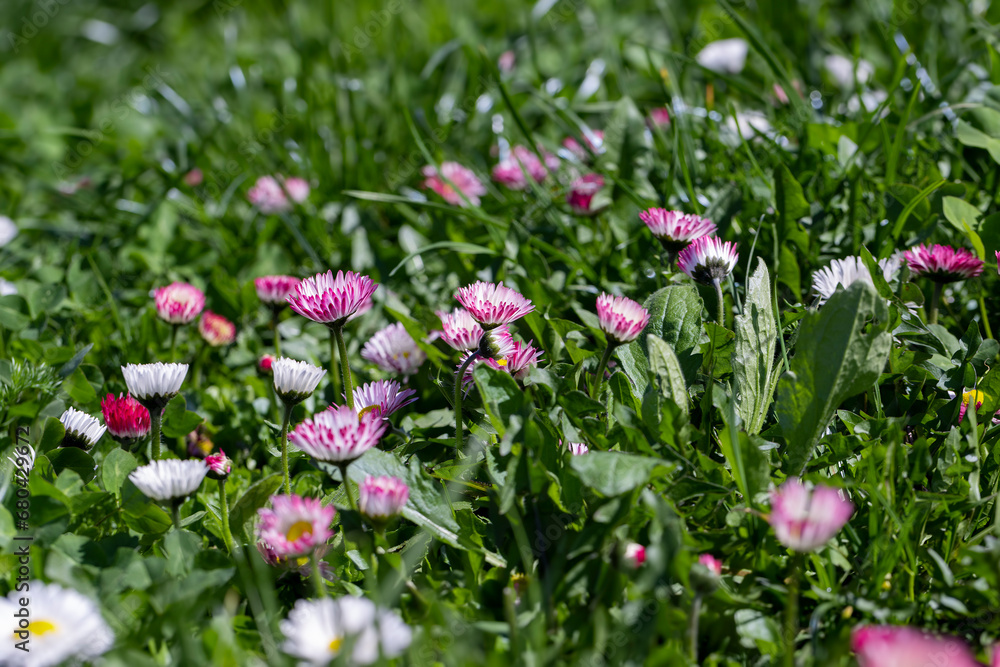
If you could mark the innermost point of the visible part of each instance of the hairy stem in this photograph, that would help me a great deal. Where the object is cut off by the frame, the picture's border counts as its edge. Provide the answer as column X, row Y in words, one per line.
column 345, row 367
column 227, row 535
column 284, row 448
column 347, row 487
column 155, row 417
column 720, row 307
column 459, row 439
column 932, row 311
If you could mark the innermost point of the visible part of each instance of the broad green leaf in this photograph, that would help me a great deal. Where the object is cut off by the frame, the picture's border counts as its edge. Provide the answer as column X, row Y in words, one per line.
column 245, row 510
column 178, row 421
column 77, row 460
column 78, row 388
column 116, row 468
column 51, row 436
column 13, row 312
column 840, row 352
column 501, row 395
column 965, row 217
column 615, row 473
column 792, row 205
column 666, row 370
column 753, row 359
column 674, row 317
column 970, row 136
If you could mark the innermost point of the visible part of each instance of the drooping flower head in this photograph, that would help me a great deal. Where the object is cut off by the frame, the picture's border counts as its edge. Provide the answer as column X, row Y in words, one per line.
column 943, row 264
column 621, row 318
column 846, row 272
column 515, row 170
column 460, row 330
column 725, row 56
column 393, row 350
column 493, row 304
column 216, row 329
column 178, row 303
column 274, row 290
column 498, row 344
column 635, row 555
column 581, row 193
column 708, row 259
column 169, row 479
column 154, row 385
column 293, row 526
column 382, row 498
column 462, row 178
column 902, row 646
column 82, row 430
column 295, row 381
column 386, row 396
column 331, row 300
column 219, row 465
column 268, row 195
column 674, row 229
column 63, row 627
column 805, row 519
column 317, row 631
column 338, row 435
column 127, row 420
column 265, row 363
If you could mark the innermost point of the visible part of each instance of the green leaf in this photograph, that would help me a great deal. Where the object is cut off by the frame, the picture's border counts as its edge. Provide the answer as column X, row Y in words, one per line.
column 245, row 510
column 78, row 388
column 77, row 460
column 839, row 353
column 615, row 473
column 454, row 246
column 501, row 395
column 965, row 217
column 116, row 468
column 667, row 372
column 792, row 205
column 13, row 311
column 753, row 359
column 178, row 421
column 75, row 362
column 51, row 436
column 675, row 317
column 970, row 136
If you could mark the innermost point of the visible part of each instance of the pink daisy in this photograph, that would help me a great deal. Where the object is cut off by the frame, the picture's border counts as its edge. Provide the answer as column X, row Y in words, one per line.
column 382, row 498
column 594, row 140
column 274, row 290
column 708, row 259
column 675, row 230
column 635, row 555
column 659, row 117
column 219, row 465
column 338, row 435
column 713, row 564
column 386, row 396
column 621, row 319
column 293, row 526
column 393, row 350
column 265, row 363
column 127, row 420
column 460, row 329
column 216, row 329
column 460, row 177
column 943, row 263
column 581, row 193
column 523, row 357
column 179, row 303
column 493, row 304
column 902, row 646
column 514, row 170
column 268, row 195
column 805, row 519
column 331, row 300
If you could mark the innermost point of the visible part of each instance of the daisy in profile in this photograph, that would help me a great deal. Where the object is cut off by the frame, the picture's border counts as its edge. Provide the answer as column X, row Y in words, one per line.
column 942, row 264
column 577, row 448
column 460, row 330
column 269, row 196
column 127, row 420
column 170, row 481
column 294, row 526
column 381, row 499
column 522, row 359
column 675, row 230
column 621, row 319
column 386, row 396
column 63, row 627
column 492, row 305
column 294, row 382
column 178, row 303
column 457, row 185
column 216, row 329
column 317, row 631
column 153, row 385
column 330, row 299
column 845, row 272
column 708, row 260
column 82, row 430
column 393, row 350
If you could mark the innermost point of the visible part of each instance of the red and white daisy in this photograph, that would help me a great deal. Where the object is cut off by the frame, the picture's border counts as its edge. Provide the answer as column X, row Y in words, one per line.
column 386, row 396
column 82, row 430
column 621, row 318
column 460, row 177
column 581, row 193
column 219, row 465
column 382, row 498
column 515, row 170
column 393, row 350
column 674, row 229
column 268, row 195
column 708, row 259
column 331, row 300
column 635, row 555
column 265, row 363
column 216, row 329
column 460, row 330
column 127, row 420
column 493, row 304
column 942, row 263
column 294, row 526
column 179, row 303
column 805, row 519
column 338, row 435
column 274, row 290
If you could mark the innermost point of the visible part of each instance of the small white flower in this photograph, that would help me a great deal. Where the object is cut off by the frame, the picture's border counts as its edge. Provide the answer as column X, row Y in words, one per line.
column 295, row 380
column 7, row 288
column 846, row 272
column 316, row 631
column 64, row 626
column 170, row 479
column 842, row 70
column 154, row 385
column 725, row 56
column 8, row 230
column 82, row 430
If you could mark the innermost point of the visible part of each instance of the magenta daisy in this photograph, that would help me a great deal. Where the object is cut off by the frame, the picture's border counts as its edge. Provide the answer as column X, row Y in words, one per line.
column 219, row 465
column 635, row 555
column 581, row 193
column 386, row 396
column 493, row 304
column 708, row 259
column 805, row 519
column 453, row 175
column 382, row 498
column 659, row 117
column 943, row 264
column 127, row 420
column 577, row 448
column 393, row 350
column 179, row 303
column 522, row 359
column 902, row 646
column 460, row 329
column 268, row 195
column 293, row 526
column 216, row 329
column 713, row 564
column 274, row 290
column 515, row 170
column 331, row 299
column 497, row 344
column 621, row 319
column 675, row 230
column 338, row 435
column 265, row 363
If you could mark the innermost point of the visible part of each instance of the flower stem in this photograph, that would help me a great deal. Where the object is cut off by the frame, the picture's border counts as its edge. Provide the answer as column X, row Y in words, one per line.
column 347, row 487
column 459, row 439
column 317, row 573
column 720, row 312
column 284, row 448
column 175, row 512
column 792, row 613
column 334, row 373
column 932, row 311
column 155, row 417
column 599, row 373
column 693, row 628
column 274, row 329
column 173, row 342
column 345, row 367
column 227, row 535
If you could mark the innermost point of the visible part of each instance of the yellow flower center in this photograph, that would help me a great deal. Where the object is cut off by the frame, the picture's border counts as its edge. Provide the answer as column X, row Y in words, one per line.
column 501, row 362
column 365, row 411
column 302, row 562
column 298, row 529
column 39, row 628
column 973, row 394
column 335, row 644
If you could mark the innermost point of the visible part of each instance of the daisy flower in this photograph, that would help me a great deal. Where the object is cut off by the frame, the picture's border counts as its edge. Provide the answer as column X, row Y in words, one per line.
column 293, row 526
column 943, row 264
column 522, row 358
column 338, row 435
column 386, row 396
column 514, row 170
column 82, row 430
column 268, row 195
column 316, row 631
column 331, row 300
column 621, row 319
column 724, row 56
column 847, row 271
column 216, row 329
column 805, row 519
column 460, row 177
column 265, row 363
column 393, row 350
column 295, row 381
column 675, row 230
column 493, row 304
column 708, row 259
column 382, row 498
column 154, row 385
column 581, row 193
column 460, row 329
column 274, row 290
column 659, row 117
column 127, row 420
column 594, row 140
column 635, row 555
column 902, row 646
column 498, row 344
column 170, row 479
column 219, row 465
column 178, row 303
column 577, row 448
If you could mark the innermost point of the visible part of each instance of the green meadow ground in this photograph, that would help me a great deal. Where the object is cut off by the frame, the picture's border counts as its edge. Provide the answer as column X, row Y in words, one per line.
column 513, row 552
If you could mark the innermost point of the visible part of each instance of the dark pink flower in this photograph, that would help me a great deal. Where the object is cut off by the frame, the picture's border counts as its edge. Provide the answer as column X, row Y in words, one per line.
column 635, row 555
column 713, row 564
column 219, row 465
column 460, row 177
column 179, row 303
column 265, row 363
column 382, row 498
column 460, row 330
column 943, row 263
column 514, row 170
column 581, row 193
column 331, row 300
column 293, row 526
column 127, row 420
column 493, row 304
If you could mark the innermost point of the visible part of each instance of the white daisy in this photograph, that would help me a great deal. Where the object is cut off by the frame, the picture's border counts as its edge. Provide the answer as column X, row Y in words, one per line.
column 295, row 380
column 63, row 626
column 8, row 230
column 154, row 385
column 725, row 56
column 82, row 430
column 847, row 271
column 170, row 479
column 317, row 630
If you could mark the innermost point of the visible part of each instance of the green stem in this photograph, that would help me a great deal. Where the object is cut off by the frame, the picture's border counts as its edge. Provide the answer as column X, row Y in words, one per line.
column 274, row 329
column 155, row 417
column 173, row 342
column 284, row 447
column 345, row 367
column 227, row 535
column 599, row 374
column 334, row 373
column 175, row 512
column 459, row 439
column 317, row 573
column 932, row 311
column 720, row 306
column 347, row 487
column 982, row 314
column 693, row 628
column 792, row 613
